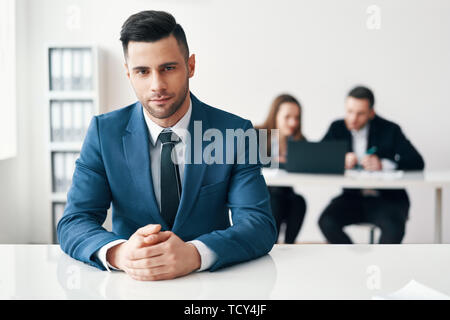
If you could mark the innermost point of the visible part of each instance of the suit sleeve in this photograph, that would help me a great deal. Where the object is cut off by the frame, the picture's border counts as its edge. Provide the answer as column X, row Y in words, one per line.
column 253, row 232
column 406, row 155
column 329, row 136
column 80, row 230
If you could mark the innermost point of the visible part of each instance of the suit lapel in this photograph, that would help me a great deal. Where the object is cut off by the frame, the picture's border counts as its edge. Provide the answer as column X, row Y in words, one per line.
column 193, row 173
column 136, row 147
column 371, row 140
column 347, row 136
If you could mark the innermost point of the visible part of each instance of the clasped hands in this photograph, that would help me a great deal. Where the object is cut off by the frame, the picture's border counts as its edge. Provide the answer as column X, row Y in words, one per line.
column 152, row 254
column 369, row 162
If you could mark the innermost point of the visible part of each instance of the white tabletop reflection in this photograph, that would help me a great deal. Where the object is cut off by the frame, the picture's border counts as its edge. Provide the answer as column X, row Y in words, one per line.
column 288, row 272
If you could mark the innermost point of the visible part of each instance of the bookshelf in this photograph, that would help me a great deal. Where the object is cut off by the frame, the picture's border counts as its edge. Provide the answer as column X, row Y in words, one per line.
column 72, row 100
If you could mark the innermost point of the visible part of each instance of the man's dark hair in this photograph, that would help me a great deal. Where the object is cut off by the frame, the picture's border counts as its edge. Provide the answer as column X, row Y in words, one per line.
column 363, row 93
column 150, row 26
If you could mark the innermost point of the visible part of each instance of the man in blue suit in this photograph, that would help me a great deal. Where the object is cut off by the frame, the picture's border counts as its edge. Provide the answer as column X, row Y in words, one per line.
column 170, row 214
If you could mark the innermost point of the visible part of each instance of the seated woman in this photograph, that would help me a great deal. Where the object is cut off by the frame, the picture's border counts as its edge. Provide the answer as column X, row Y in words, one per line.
column 287, row 206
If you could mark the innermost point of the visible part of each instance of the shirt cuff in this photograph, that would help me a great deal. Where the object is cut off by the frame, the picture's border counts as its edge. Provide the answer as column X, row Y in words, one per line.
column 387, row 164
column 101, row 254
column 207, row 256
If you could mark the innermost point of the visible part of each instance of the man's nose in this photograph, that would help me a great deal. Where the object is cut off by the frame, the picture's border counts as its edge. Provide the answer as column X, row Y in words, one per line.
column 157, row 82
column 352, row 118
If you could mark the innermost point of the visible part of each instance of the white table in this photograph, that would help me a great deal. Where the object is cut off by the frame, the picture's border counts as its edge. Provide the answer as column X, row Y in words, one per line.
column 288, row 272
column 436, row 180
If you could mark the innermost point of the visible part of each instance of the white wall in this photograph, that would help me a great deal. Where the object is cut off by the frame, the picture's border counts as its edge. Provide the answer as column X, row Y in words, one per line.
column 8, row 121
column 247, row 52
column 15, row 182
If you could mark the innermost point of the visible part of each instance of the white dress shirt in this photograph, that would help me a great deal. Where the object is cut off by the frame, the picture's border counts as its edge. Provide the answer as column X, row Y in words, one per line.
column 208, row 257
column 360, row 139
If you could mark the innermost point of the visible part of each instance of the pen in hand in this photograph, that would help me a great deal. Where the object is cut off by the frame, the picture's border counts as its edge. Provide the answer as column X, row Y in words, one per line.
column 369, row 151
column 372, row 150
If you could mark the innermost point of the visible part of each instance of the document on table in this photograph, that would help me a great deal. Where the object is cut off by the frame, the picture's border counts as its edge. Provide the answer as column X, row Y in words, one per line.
column 414, row 290
column 382, row 175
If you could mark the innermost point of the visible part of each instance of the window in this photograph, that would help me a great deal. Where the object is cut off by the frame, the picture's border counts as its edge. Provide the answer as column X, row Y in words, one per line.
column 8, row 126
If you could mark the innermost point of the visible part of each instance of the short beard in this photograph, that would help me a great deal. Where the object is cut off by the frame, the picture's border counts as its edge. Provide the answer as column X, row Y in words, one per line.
column 172, row 109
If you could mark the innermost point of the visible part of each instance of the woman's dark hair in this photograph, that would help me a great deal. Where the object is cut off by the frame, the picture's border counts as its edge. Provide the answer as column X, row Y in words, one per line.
column 271, row 120
column 363, row 93
column 150, row 26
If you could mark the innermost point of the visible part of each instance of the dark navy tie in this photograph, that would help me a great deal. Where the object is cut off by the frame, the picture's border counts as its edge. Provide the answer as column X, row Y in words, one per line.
column 170, row 178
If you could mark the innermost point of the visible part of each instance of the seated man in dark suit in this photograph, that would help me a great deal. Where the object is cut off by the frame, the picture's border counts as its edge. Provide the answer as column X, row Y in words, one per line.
column 374, row 144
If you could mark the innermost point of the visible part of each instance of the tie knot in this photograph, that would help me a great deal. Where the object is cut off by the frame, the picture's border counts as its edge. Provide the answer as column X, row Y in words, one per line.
column 169, row 136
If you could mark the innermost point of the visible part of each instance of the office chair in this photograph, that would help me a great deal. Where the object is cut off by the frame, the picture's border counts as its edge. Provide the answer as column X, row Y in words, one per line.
column 372, row 229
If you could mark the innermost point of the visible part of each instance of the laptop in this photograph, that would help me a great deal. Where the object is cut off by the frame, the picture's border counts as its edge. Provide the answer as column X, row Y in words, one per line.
column 316, row 157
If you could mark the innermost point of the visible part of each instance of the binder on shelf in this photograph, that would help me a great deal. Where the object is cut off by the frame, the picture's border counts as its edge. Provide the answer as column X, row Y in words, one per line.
column 78, row 129
column 67, row 171
column 56, row 121
column 58, row 211
column 77, row 64
column 87, row 70
column 58, row 172
column 70, row 158
column 67, row 69
column 67, row 121
column 88, row 114
column 55, row 69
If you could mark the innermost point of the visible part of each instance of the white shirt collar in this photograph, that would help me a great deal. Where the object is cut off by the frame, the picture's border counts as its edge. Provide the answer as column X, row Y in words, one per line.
column 180, row 128
column 363, row 132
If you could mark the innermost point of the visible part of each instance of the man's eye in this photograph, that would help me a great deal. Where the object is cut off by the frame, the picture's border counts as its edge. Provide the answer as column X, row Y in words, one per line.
column 142, row 71
column 169, row 68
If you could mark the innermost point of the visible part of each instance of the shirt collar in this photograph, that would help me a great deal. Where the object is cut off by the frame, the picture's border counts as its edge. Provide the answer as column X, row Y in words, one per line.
column 364, row 131
column 180, row 128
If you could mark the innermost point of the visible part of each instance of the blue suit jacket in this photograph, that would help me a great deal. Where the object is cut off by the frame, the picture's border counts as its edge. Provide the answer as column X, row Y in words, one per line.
column 114, row 168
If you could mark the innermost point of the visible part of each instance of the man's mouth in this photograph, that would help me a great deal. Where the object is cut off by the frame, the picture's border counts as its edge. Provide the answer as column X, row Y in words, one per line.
column 161, row 99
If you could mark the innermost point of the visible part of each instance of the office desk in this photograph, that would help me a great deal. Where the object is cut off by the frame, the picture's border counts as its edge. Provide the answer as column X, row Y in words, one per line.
column 436, row 180
column 288, row 272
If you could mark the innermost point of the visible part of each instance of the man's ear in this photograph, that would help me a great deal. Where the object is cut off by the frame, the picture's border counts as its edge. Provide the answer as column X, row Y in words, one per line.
column 126, row 70
column 191, row 65
column 372, row 113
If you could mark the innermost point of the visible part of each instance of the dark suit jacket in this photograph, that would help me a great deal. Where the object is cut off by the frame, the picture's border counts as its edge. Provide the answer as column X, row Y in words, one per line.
column 390, row 142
